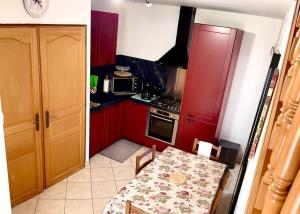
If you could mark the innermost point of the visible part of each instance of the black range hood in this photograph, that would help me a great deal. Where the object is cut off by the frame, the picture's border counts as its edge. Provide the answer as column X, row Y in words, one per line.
column 178, row 56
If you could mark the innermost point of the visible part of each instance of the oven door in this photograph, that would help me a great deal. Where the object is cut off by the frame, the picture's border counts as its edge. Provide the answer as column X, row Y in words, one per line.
column 162, row 128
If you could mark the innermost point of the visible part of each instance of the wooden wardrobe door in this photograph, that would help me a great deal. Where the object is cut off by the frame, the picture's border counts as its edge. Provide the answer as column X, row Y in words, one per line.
column 19, row 92
column 63, row 70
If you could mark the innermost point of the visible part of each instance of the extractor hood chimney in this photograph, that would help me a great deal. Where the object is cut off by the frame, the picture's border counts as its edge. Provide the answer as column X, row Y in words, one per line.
column 178, row 55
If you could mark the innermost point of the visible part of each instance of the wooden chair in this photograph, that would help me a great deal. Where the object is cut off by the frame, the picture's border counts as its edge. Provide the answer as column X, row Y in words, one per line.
column 139, row 167
column 212, row 157
column 130, row 209
column 220, row 191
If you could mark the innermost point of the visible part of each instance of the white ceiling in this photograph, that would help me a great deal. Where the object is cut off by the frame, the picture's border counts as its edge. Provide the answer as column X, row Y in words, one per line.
column 269, row 8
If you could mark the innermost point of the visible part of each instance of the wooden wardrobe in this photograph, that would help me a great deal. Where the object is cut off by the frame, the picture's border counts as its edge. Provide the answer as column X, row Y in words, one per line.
column 42, row 89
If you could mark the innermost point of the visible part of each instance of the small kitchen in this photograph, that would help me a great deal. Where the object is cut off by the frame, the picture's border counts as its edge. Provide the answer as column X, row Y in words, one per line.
column 170, row 101
column 102, row 90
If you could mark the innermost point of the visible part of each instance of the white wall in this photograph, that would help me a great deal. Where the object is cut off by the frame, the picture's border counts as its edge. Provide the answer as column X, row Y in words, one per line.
column 143, row 32
column 59, row 12
column 4, row 185
column 261, row 33
column 149, row 32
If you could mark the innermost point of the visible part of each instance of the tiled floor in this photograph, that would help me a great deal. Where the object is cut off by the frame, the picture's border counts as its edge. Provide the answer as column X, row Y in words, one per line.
column 89, row 190
column 86, row 191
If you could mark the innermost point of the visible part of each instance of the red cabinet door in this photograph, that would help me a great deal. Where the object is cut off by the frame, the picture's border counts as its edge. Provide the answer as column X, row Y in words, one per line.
column 104, row 30
column 108, row 38
column 97, row 132
column 134, row 121
column 191, row 129
column 209, row 75
column 207, row 71
column 113, row 123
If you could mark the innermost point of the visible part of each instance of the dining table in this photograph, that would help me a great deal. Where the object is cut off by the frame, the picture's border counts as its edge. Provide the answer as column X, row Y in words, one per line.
column 153, row 191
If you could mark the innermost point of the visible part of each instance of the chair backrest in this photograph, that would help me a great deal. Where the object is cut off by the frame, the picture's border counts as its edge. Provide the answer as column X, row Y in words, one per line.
column 138, row 166
column 205, row 148
column 130, row 209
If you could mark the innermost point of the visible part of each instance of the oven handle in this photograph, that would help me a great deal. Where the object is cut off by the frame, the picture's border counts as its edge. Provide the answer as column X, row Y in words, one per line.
column 161, row 118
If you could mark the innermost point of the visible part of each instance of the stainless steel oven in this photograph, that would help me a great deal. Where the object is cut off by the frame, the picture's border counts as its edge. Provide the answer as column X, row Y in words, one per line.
column 162, row 125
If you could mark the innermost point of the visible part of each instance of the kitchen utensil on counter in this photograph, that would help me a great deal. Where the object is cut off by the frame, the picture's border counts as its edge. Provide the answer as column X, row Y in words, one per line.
column 123, row 73
column 93, row 104
column 106, row 85
column 156, row 91
column 146, row 91
column 124, row 85
column 93, row 84
column 122, row 68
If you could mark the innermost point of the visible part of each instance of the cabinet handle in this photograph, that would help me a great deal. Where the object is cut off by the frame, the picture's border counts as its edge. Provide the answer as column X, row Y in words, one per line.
column 190, row 115
column 47, row 119
column 37, row 122
column 190, row 120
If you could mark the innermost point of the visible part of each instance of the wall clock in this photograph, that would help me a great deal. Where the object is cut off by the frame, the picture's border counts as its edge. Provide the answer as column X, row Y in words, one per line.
column 36, row 8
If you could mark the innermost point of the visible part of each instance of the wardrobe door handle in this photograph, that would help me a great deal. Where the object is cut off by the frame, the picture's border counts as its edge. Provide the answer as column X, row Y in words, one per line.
column 37, row 122
column 47, row 119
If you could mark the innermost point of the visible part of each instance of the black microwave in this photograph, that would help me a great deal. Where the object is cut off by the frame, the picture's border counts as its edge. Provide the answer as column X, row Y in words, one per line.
column 124, row 85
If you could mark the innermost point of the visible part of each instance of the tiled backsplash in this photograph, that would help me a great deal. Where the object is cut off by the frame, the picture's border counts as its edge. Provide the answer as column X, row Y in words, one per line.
column 145, row 70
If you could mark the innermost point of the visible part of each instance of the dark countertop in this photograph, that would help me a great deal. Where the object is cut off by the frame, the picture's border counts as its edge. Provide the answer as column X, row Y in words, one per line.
column 109, row 99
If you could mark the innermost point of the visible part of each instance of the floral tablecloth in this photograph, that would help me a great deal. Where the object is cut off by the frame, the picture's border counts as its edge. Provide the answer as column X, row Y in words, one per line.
column 152, row 191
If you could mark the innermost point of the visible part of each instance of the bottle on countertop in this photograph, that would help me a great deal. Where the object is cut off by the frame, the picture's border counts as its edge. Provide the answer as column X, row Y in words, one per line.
column 106, row 85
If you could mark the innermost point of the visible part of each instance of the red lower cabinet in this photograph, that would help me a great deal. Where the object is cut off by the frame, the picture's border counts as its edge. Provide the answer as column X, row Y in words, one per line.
column 113, row 123
column 134, row 120
column 105, row 128
column 134, row 125
column 124, row 120
column 190, row 129
column 97, row 132
column 160, row 146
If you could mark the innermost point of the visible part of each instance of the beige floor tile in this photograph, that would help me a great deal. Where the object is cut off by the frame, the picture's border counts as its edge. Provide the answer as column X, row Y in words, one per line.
column 57, row 191
column 79, row 207
column 50, row 206
column 83, row 175
column 117, row 164
column 121, row 184
column 27, row 207
column 99, row 161
column 87, row 165
column 79, row 191
column 99, row 204
column 102, row 174
column 106, row 189
column 123, row 173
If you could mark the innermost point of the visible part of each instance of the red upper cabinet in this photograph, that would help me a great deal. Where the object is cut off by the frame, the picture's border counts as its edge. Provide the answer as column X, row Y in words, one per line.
column 212, row 62
column 104, row 30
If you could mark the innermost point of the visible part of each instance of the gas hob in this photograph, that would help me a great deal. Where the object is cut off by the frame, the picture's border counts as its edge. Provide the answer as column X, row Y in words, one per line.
column 167, row 104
